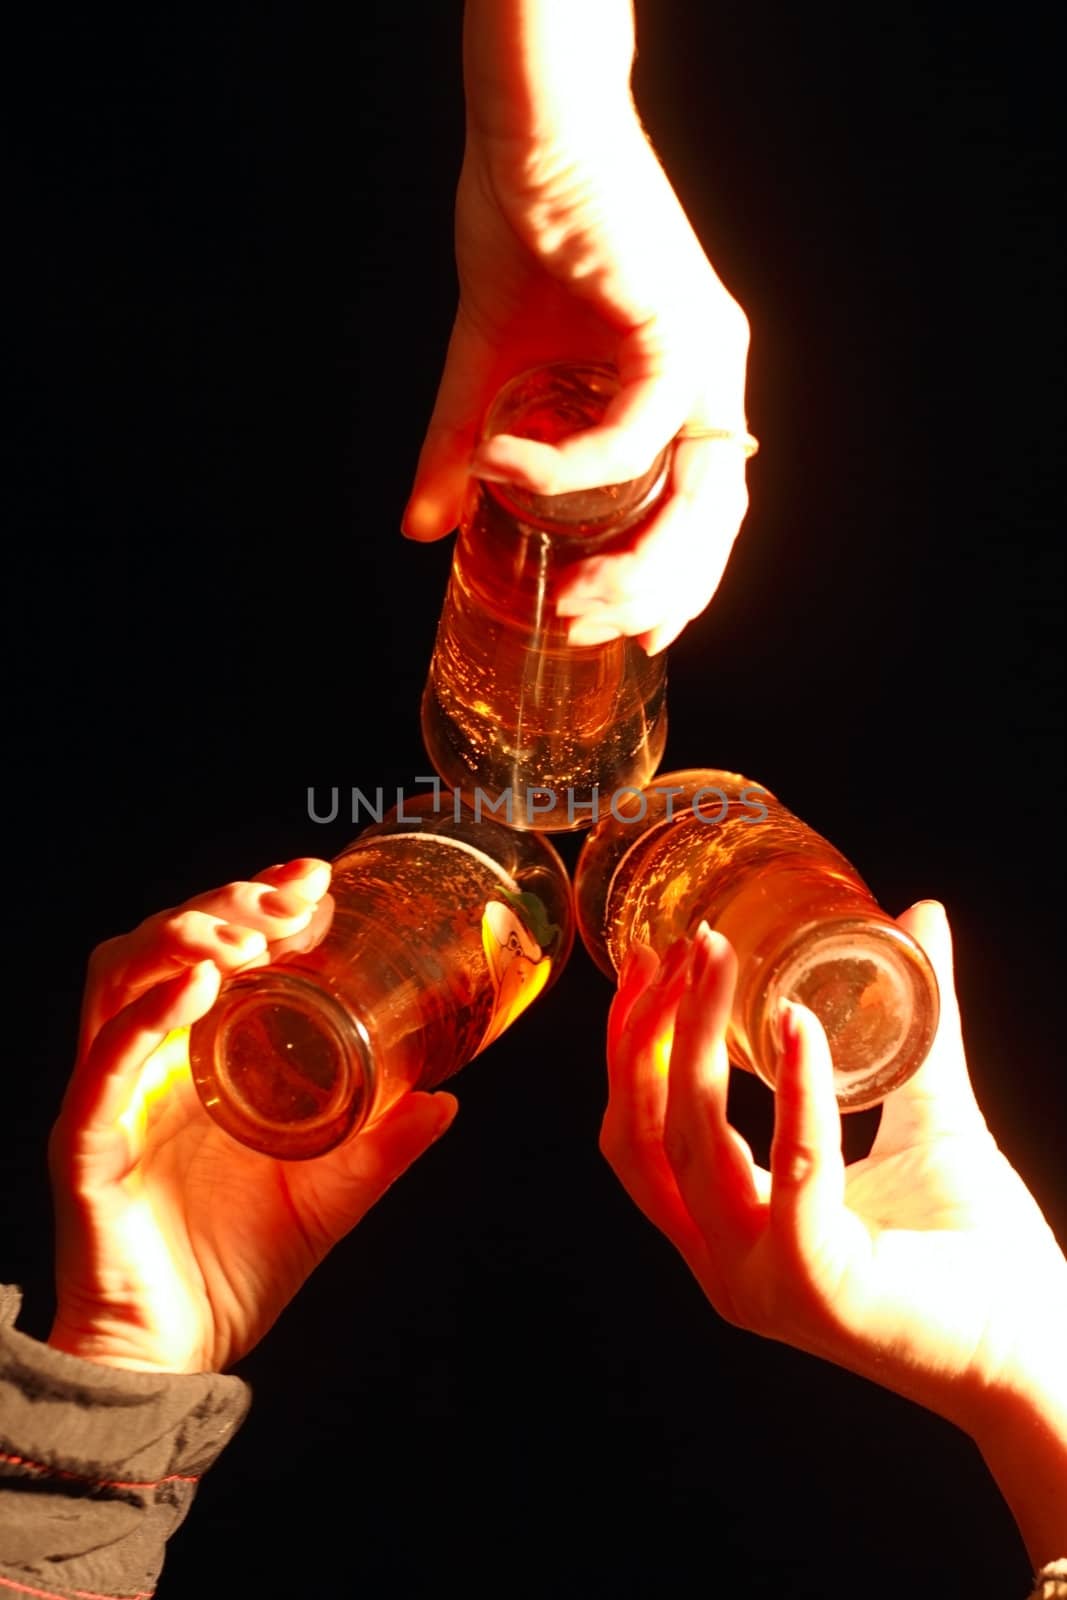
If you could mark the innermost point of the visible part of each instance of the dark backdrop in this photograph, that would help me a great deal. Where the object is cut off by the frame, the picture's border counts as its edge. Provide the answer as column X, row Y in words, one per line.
column 233, row 238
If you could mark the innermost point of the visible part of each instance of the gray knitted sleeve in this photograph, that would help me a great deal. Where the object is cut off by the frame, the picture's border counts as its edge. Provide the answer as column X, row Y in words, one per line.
column 98, row 1466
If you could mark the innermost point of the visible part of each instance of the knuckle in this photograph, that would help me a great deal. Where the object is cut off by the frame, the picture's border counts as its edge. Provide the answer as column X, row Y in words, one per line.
column 794, row 1165
column 738, row 1308
column 610, row 1142
column 677, row 1148
column 100, row 957
column 181, row 926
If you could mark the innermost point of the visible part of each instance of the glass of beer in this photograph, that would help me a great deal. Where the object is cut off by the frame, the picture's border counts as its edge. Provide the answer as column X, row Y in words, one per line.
column 444, row 930
column 707, row 845
column 512, row 713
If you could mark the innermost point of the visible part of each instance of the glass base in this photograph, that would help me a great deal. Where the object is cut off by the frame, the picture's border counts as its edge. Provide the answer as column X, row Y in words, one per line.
column 876, row 996
column 537, row 794
column 281, row 1066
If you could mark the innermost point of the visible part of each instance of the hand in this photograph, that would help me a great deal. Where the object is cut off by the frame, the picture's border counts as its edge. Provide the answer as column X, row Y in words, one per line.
column 927, row 1266
column 571, row 243
column 177, row 1247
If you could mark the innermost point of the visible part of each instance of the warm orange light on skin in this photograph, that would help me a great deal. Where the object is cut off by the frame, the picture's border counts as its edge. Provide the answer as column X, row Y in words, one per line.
column 168, row 1063
column 661, row 1054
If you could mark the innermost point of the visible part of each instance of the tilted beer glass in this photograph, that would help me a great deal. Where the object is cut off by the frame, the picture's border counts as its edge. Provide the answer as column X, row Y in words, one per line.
column 512, row 716
column 714, row 846
column 444, row 929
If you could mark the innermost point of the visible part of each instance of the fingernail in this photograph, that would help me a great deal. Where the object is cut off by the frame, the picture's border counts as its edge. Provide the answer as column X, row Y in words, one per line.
column 582, row 597
column 934, row 905
column 301, row 870
column 303, row 884
column 286, row 904
column 588, row 632
column 706, row 948
column 422, row 521
column 294, row 868
column 313, row 884
column 448, row 1107
column 787, row 1024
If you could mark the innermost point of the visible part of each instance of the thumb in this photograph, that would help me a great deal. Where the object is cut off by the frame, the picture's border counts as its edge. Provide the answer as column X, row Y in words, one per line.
column 358, row 1173
column 939, row 1097
column 468, row 384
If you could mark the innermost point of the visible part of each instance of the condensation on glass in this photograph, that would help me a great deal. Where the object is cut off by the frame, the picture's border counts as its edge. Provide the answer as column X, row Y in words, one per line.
column 712, row 845
column 511, row 711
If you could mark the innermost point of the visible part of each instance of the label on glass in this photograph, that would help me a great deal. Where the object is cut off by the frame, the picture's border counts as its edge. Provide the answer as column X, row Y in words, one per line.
column 469, row 948
column 518, row 965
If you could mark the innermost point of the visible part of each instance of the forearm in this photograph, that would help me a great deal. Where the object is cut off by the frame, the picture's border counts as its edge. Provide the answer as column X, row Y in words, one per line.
column 546, row 69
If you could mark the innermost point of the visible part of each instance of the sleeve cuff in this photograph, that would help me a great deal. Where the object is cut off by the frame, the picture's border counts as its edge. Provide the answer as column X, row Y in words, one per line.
column 98, row 1466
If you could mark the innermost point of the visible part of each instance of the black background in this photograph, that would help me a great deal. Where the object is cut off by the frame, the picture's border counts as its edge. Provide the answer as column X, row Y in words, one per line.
column 232, row 232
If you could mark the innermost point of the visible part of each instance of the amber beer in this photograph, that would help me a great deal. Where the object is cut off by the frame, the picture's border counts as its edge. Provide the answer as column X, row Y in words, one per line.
column 444, row 929
column 711, row 845
column 510, row 709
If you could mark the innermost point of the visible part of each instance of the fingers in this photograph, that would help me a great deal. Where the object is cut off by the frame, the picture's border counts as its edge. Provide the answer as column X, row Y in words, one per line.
column 807, row 1164
column 638, row 970
column 758, row 1242
column 637, row 425
column 103, row 1090
column 276, row 903
column 306, row 938
column 939, row 1098
column 713, row 502
column 468, row 383
column 349, row 1180
column 640, row 1026
column 671, row 574
column 639, row 1050
column 674, row 365
column 239, row 925
column 711, row 1163
column 169, row 942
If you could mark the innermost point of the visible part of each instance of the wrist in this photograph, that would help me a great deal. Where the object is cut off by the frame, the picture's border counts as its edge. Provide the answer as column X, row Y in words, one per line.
column 1022, row 1436
column 547, row 71
column 1027, row 1458
column 116, row 1347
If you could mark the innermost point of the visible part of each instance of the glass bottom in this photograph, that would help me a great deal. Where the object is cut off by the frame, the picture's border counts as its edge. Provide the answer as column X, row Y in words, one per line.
column 875, row 995
column 544, row 788
column 282, row 1067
